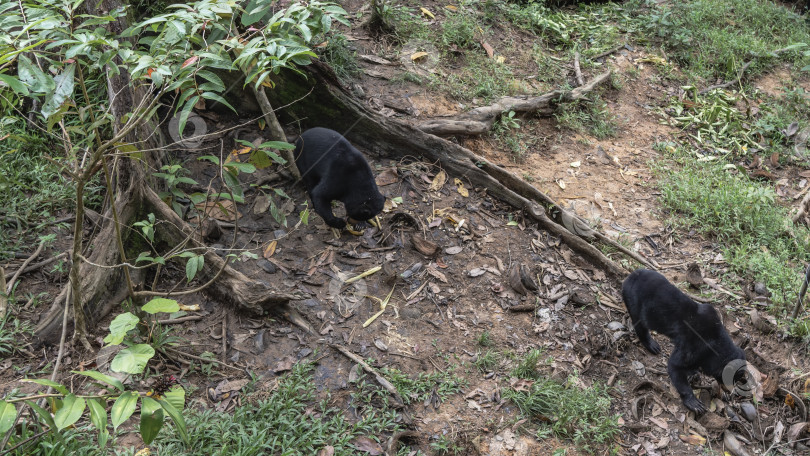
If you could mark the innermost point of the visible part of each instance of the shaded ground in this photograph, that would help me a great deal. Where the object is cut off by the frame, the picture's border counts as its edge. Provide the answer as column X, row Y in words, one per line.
column 439, row 310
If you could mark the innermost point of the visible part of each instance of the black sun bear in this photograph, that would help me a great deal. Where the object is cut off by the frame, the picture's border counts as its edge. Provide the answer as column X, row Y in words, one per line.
column 700, row 341
column 333, row 170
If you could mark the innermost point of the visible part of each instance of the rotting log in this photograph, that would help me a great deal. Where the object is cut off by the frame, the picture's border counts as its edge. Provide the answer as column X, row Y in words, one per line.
column 480, row 120
column 330, row 104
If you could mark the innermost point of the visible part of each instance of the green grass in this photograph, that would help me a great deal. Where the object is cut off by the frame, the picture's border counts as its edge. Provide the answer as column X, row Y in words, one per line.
column 288, row 423
column 743, row 215
column 588, row 117
column 486, row 362
column 443, row 384
column 714, row 38
column 13, row 334
column 569, row 411
column 484, row 339
column 338, row 55
column 527, row 366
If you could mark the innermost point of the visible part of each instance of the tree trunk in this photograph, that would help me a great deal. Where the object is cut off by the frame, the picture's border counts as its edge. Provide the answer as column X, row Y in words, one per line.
column 324, row 102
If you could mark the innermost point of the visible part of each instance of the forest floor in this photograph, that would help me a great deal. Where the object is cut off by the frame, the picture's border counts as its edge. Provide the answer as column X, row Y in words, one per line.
column 459, row 331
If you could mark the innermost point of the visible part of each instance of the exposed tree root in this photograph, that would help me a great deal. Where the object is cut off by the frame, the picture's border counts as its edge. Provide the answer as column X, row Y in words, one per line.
column 331, row 105
column 480, row 120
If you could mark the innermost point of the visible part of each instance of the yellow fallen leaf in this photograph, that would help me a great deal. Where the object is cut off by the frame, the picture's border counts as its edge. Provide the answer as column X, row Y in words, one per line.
column 189, row 308
column 236, row 154
column 418, row 55
column 451, row 8
column 438, row 181
column 500, row 59
column 427, row 13
column 692, row 439
column 460, row 187
column 270, row 249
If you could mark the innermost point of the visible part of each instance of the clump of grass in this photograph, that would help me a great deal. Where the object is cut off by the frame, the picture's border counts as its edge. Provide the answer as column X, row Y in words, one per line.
column 527, row 366
column 444, row 384
column 458, row 29
column 343, row 60
column 480, row 77
column 743, row 215
column 487, row 362
column 590, row 117
column 484, row 339
column 286, row 423
column 714, row 38
column 13, row 334
column 569, row 411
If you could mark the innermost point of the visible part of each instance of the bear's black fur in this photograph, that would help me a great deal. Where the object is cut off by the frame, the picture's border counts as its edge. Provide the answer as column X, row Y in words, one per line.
column 332, row 169
column 699, row 339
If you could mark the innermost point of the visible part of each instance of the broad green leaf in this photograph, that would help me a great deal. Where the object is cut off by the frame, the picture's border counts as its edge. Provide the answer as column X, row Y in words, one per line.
column 218, row 99
column 71, row 411
column 8, row 413
column 151, row 419
column 45, row 382
column 161, row 305
column 98, row 414
column 177, row 417
column 193, row 266
column 132, row 360
column 120, row 326
column 47, row 418
column 64, row 89
column 123, row 408
column 15, row 84
column 184, row 113
column 255, row 11
column 102, row 378
column 280, row 145
column 30, row 75
column 176, row 397
column 242, row 167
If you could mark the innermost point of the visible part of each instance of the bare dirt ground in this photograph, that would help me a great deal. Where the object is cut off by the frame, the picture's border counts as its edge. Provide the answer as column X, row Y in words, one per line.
column 442, row 303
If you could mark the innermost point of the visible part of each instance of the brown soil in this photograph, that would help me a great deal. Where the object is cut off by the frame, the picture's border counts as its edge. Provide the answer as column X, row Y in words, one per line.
column 439, row 311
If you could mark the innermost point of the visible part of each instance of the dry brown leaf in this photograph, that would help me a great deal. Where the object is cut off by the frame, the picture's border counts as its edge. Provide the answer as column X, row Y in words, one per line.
column 438, row 181
column 451, row 8
column 328, row 450
column 775, row 159
column 692, row 439
column 221, row 210
column 460, row 187
column 284, row 364
column 418, row 55
column 369, row 446
column 489, row 49
column 270, row 249
column 424, row 246
column 387, row 177
column 437, row 274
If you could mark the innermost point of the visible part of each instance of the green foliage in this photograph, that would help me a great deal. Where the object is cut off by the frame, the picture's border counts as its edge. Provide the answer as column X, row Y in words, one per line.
column 443, row 384
column 484, row 339
column 341, row 57
column 589, row 117
column 459, row 29
column 714, row 38
column 286, row 423
column 445, row 446
column 487, row 362
column 570, row 410
column 527, row 367
column 743, row 215
column 13, row 334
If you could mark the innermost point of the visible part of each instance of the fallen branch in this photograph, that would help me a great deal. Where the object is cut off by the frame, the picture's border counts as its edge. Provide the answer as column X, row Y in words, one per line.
column 370, row 370
column 39, row 265
column 801, row 294
column 608, row 52
column 802, row 208
column 174, row 321
column 36, row 253
column 577, row 70
column 480, row 120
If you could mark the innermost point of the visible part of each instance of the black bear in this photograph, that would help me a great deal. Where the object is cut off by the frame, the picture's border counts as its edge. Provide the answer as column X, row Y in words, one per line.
column 332, row 169
column 699, row 339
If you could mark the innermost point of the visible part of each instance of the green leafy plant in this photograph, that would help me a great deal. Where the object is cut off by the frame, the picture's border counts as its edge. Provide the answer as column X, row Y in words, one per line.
column 527, row 366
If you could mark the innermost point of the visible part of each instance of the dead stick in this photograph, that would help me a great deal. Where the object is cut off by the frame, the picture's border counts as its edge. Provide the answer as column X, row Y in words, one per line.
column 205, row 360
column 728, row 83
column 608, row 52
column 577, row 70
column 173, row 321
column 224, row 336
column 802, row 208
column 25, row 263
column 36, row 266
column 380, row 379
column 3, row 296
column 522, row 308
column 801, row 294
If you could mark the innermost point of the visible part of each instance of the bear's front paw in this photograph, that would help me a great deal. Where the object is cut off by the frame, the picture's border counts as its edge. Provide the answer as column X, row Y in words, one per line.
column 694, row 404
